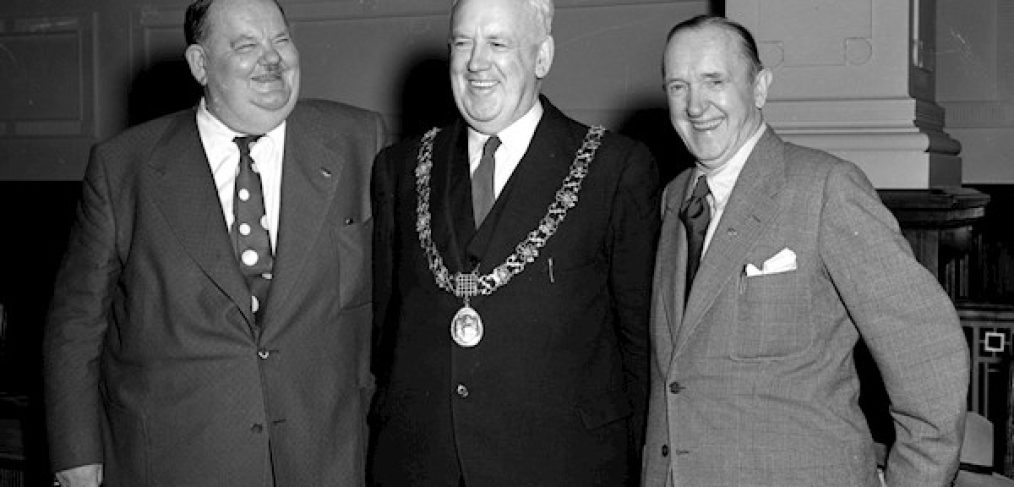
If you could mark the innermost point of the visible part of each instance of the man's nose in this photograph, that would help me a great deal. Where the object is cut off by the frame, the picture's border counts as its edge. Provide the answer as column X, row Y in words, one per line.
column 478, row 59
column 696, row 101
column 270, row 55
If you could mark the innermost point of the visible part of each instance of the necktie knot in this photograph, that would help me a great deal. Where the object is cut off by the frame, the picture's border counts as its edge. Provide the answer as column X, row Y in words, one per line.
column 697, row 203
column 244, row 142
column 490, row 147
column 701, row 189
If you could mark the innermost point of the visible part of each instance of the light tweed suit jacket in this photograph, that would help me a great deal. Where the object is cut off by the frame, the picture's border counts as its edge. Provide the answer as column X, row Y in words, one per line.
column 753, row 381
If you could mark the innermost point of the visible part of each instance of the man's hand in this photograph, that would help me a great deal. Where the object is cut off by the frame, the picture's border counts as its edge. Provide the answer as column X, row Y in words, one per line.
column 83, row 476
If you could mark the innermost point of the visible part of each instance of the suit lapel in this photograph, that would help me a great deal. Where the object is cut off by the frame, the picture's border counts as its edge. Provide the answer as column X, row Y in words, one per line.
column 751, row 207
column 188, row 199
column 450, row 196
column 670, row 278
column 311, row 171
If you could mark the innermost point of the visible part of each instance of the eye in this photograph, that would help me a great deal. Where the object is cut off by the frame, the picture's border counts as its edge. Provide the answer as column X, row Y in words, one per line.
column 460, row 43
column 716, row 83
column 283, row 40
column 245, row 47
column 499, row 45
column 676, row 89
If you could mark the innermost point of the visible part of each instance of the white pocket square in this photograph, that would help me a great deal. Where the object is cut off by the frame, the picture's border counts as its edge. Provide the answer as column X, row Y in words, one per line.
column 783, row 261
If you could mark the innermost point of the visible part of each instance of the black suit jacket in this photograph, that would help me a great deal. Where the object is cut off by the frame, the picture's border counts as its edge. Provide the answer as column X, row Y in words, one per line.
column 555, row 393
column 153, row 365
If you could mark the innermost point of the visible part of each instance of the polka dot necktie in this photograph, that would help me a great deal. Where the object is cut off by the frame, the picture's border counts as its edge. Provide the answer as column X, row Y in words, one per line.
column 482, row 181
column 696, row 215
column 249, row 230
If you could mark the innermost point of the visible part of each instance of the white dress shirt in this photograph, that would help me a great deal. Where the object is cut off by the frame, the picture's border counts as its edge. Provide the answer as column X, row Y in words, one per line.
column 223, row 158
column 514, row 142
column 722, row 180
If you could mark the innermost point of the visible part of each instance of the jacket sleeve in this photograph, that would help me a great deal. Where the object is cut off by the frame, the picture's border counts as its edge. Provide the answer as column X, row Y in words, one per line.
column 382, row 198
column 633, row 238
column 77, row 324
column 907, row 322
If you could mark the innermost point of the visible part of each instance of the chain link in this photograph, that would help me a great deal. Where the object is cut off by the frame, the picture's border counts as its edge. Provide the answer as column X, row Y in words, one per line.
column 466, row 285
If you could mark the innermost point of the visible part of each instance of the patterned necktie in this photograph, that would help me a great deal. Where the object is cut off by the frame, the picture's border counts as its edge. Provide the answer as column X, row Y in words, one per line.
column 696, row 215
column 482, row 181
column 249, row 231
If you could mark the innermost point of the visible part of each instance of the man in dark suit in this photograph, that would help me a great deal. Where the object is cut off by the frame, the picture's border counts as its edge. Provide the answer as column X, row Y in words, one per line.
column 753, row 379
column 512, row 302
column 210, row 324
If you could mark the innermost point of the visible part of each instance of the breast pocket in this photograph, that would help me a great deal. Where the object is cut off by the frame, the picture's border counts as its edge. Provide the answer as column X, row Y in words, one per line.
column 772, row 317
column 355, row 262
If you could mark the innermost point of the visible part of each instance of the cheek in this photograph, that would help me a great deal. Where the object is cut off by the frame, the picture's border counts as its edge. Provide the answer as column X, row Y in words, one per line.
column 682, row 128
column 677, row 112
column 459, row 60
column 236, row 72
column 517, row 71
column 290, row 54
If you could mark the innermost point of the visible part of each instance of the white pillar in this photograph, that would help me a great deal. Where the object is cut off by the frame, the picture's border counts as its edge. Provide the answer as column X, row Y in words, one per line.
column 855, row 78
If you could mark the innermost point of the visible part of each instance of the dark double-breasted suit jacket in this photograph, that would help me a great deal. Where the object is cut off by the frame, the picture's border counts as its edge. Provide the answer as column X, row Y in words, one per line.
column 753, row 379
column 554, row 393
column 155, row 365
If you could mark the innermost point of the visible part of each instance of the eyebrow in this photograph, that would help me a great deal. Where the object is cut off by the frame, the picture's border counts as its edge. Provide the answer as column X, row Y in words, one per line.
column 242, row 38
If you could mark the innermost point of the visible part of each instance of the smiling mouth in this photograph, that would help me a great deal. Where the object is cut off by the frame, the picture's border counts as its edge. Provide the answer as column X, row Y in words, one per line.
column 481, row 84
column 706, row 125
column 268, row 77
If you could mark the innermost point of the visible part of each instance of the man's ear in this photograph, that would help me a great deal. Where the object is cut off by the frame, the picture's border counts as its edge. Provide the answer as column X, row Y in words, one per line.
column 544, row 59
column 198, row 62
column 760, row 87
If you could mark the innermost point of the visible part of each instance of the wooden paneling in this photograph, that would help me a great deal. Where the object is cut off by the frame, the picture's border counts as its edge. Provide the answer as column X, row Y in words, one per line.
column 47, row 65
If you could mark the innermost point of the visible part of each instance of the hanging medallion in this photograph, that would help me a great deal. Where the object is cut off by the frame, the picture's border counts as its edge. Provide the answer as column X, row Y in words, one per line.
column 466, row 327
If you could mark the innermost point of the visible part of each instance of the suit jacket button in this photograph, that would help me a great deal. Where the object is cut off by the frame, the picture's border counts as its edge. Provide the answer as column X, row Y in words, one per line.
column 462, row 391
column 665, row 450
column 264, row 353
column 675, row 387
column 257, row 428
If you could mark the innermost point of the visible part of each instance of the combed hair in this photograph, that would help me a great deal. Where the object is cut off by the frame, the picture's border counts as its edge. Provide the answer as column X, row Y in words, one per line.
column 195, row 22
column 543, row 12
column 747, row 44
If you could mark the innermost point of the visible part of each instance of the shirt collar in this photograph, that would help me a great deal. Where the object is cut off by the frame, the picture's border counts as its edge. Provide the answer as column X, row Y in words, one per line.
column 516, row 136
column 216, row 136
column 211, row 127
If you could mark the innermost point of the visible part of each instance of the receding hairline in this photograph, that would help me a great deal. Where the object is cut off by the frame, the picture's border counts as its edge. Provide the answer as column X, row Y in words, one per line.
column 746, row 46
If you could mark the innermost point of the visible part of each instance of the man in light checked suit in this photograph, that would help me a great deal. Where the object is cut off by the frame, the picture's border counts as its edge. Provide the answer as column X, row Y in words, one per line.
column 753, row 380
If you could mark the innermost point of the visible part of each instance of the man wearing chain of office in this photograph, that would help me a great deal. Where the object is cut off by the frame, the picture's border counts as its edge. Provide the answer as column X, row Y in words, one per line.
column 512, row 265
